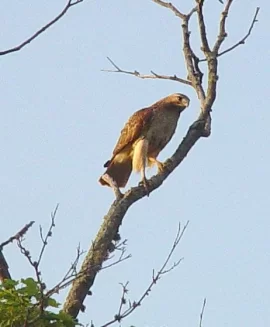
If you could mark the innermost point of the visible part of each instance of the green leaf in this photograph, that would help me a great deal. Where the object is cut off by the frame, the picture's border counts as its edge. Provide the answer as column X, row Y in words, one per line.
column 52, row 303
column 31, row 289
column 9, row 283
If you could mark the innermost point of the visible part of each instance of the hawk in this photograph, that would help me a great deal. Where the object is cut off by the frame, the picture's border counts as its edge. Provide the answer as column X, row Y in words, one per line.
column 144, row 135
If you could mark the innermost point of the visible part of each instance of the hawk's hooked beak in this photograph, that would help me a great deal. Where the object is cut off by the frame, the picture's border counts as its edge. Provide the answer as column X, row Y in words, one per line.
column 185, row 102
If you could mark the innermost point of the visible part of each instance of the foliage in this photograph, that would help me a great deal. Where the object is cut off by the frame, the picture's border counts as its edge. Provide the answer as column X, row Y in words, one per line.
column 22, row 304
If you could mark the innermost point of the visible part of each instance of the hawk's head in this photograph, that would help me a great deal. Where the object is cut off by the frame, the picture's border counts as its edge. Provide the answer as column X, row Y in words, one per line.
column 178, row 100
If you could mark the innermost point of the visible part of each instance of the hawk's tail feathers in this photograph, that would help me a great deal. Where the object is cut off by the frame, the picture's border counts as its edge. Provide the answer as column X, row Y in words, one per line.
column 119, row 171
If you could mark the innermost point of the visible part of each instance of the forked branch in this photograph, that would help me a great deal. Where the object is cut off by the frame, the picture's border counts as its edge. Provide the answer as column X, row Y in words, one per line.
column 4, row 268
column 69, row 4
column 243, row 40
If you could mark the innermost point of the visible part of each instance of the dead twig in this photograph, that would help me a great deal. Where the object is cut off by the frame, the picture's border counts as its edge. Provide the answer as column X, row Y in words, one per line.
column 202, row 312
column 17, row 236
column 155, row 277
column 34, row 264
column 4, row 269
column 170, row 6
column 72, row 274
column 243, row 40
column 49, row 233
column 143, row 76
column 69, row 4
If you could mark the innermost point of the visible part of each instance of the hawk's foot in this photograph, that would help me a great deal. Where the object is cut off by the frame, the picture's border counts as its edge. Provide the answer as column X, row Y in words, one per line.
column 145, row 183
column 160, row 167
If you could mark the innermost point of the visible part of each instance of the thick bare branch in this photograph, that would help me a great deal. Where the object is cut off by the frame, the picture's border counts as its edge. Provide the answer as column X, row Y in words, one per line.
column 113, row 220
column 205, row 45
column 222, row 27
column 69, row 4
column 192, row 61
column 143, row 76
column 195, row 75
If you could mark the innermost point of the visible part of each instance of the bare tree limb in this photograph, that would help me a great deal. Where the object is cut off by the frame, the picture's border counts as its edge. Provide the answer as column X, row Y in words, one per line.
column 202, row 312
column 98, row 252
column 34, row 264
column 112, row 221
column 17, row 236
column 195, row 75
column 49, row 233
column 143, row 76
column 243, row 40
column 4, row 272
column 205, row 46
column 69, row 277
column 69, row 4
column 222, row 31
column 170, row 6
column 155, row 277
column 72, row 274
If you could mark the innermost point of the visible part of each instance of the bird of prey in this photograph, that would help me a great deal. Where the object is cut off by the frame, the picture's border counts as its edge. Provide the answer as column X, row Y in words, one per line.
column 144, row 135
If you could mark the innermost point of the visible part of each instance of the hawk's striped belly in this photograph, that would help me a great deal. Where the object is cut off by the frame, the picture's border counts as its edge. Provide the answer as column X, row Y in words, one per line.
column 161, row 131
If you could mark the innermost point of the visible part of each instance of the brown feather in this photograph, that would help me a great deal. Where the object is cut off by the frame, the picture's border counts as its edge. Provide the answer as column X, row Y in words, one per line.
column 119, row 171
column 134, row 127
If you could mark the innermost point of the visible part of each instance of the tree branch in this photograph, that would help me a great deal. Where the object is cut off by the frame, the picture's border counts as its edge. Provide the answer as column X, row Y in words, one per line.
column 222, row 27
column 243, row 40
column 113, row 219
column 155, row 277
column 170, row 6
column 202, row 312
column 4, row 272
column 17, row 236
column 49, row 234
column 195, row 75
column 142, row 76
column 108, row 232
column 205, row 46
column 69, row 4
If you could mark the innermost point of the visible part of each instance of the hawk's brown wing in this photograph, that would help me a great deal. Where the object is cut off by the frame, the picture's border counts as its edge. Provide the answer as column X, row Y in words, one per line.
column 132, row 130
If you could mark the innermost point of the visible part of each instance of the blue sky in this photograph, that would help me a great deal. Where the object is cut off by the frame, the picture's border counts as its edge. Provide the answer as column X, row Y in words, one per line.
column 61, row 116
